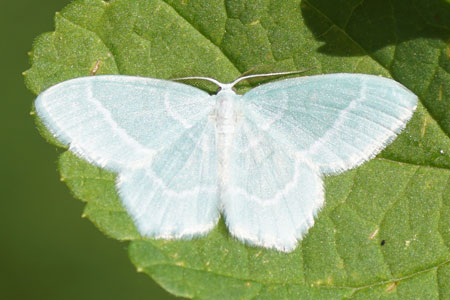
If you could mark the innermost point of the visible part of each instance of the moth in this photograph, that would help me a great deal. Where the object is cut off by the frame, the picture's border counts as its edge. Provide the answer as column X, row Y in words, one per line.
column 184, row 157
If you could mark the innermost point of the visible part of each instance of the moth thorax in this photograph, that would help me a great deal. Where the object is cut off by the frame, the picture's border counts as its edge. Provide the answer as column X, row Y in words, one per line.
column 225, row 113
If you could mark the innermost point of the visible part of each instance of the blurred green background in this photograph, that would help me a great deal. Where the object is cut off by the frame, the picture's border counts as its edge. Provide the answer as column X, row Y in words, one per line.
column 47, row 251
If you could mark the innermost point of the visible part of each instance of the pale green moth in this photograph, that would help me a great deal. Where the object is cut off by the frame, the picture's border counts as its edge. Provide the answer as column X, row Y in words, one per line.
column 183, row 157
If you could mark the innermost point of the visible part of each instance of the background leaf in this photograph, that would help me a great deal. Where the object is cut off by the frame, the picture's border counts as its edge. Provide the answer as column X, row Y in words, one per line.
column 384, row 231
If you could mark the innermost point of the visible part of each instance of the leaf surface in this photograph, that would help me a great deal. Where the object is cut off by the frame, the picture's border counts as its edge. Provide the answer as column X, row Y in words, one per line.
column 384, row 232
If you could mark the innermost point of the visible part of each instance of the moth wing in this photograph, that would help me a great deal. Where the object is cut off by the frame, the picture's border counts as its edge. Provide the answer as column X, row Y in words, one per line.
column 155, row 134
column 272, row 196
column 291, row 133
column 338, row 121
column 176, row 195
column 116, row 121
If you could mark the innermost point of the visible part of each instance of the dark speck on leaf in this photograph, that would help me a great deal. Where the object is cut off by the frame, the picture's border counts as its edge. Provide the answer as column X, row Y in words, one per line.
column 383, row 242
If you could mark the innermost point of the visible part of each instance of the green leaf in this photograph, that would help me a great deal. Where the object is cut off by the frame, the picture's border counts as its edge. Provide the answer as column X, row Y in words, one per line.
column 384, row 232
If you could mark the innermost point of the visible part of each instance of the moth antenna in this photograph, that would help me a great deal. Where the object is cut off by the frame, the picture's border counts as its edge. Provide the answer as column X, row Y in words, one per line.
column 268, row 74
column 230, row 85
column 219, row 84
